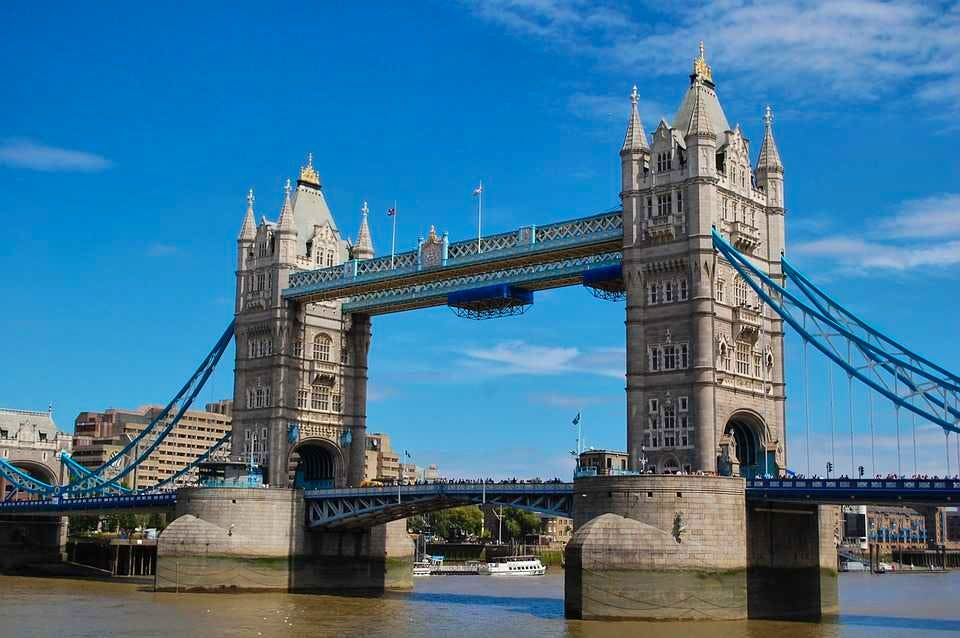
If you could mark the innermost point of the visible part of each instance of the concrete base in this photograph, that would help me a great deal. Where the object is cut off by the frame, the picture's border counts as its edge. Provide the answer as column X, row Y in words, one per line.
column 250, row 540
column 688, row 548
column 27, row 540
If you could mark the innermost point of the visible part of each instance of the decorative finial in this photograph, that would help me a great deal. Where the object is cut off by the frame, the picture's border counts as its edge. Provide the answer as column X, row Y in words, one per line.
column 768, row 116
column 308, row 174
column 701, row 69
column 364, row 209
column 250, row 199
column 634, row 96
column 287, row 188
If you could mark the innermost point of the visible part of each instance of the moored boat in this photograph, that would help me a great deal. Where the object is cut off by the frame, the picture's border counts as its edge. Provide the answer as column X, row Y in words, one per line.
column 514, row 566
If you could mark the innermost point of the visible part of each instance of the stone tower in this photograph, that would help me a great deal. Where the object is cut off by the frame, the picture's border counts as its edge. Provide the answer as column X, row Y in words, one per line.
column 705, row 384
column 300, row 372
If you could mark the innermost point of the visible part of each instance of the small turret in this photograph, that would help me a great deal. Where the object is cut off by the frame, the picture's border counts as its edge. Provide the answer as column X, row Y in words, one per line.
column 635, row 139
column 363, row 249
column 769, row 159
column 248, row 231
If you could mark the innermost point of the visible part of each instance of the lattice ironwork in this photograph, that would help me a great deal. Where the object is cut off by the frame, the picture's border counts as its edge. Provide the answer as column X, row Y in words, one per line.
column 606, row 283
column 490, row 302
column 516, row 276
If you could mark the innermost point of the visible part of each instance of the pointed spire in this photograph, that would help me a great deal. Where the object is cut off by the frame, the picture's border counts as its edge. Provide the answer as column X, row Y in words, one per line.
column 769, row 154
column 249, row 229
column 363, row 249
column 699, row 123
column 635, row 138
column 286, row 213
column 701, row 70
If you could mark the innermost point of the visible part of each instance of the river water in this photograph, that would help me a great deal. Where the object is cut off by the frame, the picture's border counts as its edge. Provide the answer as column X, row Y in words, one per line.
column 459, row 606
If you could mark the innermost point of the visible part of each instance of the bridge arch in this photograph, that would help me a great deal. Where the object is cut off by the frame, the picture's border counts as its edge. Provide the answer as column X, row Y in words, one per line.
column 316, row 463
column 37, row 469
column 743, row 445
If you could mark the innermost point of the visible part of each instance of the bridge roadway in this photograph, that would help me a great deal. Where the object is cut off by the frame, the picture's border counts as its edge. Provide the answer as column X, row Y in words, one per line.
column 363, row 507
column 528, row 258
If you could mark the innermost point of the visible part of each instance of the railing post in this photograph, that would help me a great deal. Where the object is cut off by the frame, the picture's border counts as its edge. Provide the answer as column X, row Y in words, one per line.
column 446, row 247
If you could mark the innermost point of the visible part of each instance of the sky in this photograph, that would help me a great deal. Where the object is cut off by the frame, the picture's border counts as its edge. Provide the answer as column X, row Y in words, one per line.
column 130, row 134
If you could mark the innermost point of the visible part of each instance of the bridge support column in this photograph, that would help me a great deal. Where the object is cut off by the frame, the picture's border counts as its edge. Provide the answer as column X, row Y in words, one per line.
column 31, row 540
column 791, row 560
column 657, row 547
column 355, row 394
column 255, row 539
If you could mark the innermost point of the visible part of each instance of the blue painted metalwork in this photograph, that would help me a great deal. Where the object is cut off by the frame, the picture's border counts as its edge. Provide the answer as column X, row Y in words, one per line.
column 23, row 480
column 525, row 244
column 190, row 391
column 65, row 504
column 436, row 292
column 488, row 302
column 363, row 507
column 172, row 480
column 782, row 301
column 859, row 491
column 606, row 282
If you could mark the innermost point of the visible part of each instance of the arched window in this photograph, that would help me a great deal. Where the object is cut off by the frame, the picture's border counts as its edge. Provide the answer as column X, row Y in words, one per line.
column 321, row 347
column 320, row 398
column 740, row 291
column 329, row 259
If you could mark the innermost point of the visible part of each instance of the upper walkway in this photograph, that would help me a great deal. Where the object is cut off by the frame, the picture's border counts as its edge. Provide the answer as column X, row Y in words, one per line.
column 531, row 258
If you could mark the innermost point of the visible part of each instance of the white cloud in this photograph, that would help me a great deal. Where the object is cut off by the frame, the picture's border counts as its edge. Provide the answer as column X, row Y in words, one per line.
column 845, row 50
column 922, row 232
column 570, row 401
column 161, row 250
column 519, row 357
column 39, row 157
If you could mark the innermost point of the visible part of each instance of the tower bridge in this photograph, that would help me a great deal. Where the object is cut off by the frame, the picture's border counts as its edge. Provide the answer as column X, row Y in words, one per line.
column 696, row 250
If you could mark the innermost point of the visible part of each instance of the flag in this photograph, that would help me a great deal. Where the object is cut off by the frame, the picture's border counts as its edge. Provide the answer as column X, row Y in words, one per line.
column 576, row 419
column 408, row 454
column 478, row 190
column 391, row 212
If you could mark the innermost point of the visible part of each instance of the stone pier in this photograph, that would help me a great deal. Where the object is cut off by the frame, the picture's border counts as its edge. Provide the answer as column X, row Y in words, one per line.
column 256, row 540
column 669, row 547
column 31, row 540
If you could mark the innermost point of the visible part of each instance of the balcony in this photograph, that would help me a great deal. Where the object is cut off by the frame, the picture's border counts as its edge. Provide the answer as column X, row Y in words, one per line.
column 661, row 228
column 748, row 322
column 744, row 236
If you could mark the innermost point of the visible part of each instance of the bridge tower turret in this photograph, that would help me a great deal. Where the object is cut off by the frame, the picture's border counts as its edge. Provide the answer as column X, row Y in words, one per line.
column 704, row 359
column 294, row 361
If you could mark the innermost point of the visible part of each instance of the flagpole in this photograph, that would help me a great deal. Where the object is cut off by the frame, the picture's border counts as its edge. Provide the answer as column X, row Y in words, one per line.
column 393, row 238
column 479, row 216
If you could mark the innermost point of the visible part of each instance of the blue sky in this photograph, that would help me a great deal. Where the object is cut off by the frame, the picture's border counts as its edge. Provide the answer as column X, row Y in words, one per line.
column 129, row 136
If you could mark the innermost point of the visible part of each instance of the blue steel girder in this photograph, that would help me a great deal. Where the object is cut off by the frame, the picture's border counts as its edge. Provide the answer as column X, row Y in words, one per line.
column 160, row 501
column 524, row 248
column 845, row 491
column 365, row 507
column 893, row 372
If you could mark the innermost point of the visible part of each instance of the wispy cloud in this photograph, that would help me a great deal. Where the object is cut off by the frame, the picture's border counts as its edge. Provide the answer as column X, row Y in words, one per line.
column 161, row 250
column 40, row 157
column 570, row 401
column 519, row 357
column 922, row 232
column 848, row 50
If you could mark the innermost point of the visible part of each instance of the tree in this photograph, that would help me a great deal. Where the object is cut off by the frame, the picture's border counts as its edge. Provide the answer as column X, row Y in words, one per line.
column 518, row 523
column 451, row 524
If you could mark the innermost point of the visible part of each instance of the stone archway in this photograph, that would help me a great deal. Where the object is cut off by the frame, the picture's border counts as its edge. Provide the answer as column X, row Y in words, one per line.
column 742, row 449
column 316, row 463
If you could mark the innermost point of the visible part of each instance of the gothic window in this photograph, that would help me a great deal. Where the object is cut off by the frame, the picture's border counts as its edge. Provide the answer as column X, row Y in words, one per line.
column 266, row 397
column 319, row 256
column 250, row 397
column 668, row 292
column 262, row 249
column 757, row 366
column 337, row 404
column 683, row 289
column 330, row 259
column 320, row 399
column 679, row 201
column 298, row 348
column 725, row 357
column 719, row 290
column 259, row 395
column 740, row 291
column 683, row 357
column 682, row 404
column 321, row 347
column 649, row 207
column 653, row 292
column 654, row 354
column 684, row 428
column 343, row 355
column 669, row 357
column 302, row 398
column 663, row 205
column 743, row 358
column 251, row 348
column 653, row 406
column 669, row 426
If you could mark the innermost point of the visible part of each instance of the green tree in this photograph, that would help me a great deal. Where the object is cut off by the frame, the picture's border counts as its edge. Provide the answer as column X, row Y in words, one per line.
column 451, row 524
column 518, row 523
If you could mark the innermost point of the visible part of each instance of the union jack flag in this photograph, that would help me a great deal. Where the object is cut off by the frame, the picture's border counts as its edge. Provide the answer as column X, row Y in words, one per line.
column 391, row 212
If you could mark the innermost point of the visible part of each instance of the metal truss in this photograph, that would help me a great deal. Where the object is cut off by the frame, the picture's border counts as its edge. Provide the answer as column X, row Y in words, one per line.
column 905, row 378
column 435, row 292
column 850, row 491
column 172, row 480
column 490, row 302
column 365, row 507
column 23, row 481
column 571, row 236
column 67, row 504
column 606, row 283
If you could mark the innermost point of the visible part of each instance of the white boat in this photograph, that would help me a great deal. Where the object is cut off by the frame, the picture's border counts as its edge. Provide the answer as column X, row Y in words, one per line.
column 514, row 566
column 422, row 568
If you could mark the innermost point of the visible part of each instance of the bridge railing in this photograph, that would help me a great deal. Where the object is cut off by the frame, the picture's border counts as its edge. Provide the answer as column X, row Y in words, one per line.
column 68, row 503
column 856, row 484
column 523, row 240
column 441, row 489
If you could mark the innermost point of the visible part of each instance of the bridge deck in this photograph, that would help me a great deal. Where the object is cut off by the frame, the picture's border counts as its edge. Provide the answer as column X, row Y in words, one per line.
column 530, row 257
